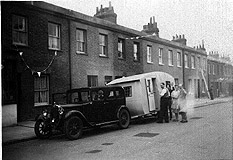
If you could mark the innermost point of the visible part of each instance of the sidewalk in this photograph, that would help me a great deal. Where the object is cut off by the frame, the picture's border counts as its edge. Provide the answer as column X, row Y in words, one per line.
column 24, row 131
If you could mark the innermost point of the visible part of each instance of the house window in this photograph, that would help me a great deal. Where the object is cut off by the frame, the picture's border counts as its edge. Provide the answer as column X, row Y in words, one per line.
column 149, row 58
column 203, row 86
column 19, row 30
column 209, row 68
column 92, row 81
column 198, row 62
column 204, row 64
column 80, row 41
column 186, row 60
column 178, row 59
column 121, row 48
column 107, row 79
column 136, row 51
column 54, row 36
column 193, row 62
column 41, row 90
column 128, row 91
column 103, row 45
column 116, row 77
column 213, row 69
column 170, row 58
column 160, row 56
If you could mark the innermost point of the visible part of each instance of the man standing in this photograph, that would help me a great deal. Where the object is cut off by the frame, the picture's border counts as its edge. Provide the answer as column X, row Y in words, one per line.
column 163, row 113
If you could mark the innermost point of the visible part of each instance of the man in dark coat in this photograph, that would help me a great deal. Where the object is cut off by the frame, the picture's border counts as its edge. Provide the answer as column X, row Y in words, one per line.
column 164, row 101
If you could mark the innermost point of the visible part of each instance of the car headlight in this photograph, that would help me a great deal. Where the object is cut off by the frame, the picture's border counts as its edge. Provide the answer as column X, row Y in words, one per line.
column 45, row 113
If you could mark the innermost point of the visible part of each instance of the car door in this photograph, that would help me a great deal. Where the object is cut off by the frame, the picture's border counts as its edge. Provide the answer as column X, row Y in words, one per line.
column 96, row 108
column 110, row 105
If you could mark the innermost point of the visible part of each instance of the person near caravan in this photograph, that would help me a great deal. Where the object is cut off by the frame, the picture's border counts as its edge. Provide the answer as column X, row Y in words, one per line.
column 163, row 113
column 182, row 104
column 175, row 107
column 170, row 89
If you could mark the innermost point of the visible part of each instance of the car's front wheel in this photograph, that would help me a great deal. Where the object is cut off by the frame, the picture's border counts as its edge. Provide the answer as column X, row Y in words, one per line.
column 124, row 118
column 73, row 127
column 42, row 130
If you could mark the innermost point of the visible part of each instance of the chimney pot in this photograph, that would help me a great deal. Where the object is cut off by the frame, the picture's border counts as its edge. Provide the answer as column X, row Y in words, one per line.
column 180, row 36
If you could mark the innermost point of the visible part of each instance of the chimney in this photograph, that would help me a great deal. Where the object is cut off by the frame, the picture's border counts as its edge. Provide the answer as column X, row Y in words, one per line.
column 106, row 13
column 180, row 39
column 151, row 28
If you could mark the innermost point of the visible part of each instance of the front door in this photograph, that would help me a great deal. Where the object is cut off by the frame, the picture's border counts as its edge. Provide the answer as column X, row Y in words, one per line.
column 150, row 93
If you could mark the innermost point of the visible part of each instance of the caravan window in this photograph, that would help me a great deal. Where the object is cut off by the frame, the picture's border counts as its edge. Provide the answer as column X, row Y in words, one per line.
column 128, row 91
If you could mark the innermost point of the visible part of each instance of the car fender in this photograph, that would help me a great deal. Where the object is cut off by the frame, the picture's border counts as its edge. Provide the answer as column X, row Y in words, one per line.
column 76, row 113
column 122, row 107
column 41, row 117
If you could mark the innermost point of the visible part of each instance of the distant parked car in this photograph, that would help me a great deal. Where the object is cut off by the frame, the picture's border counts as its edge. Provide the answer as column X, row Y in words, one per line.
column 84, row 108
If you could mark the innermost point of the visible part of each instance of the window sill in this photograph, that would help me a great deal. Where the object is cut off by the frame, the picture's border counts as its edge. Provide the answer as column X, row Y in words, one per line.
column 81, row 53
column 170, row 65
column 40, row 104
column 103, row 56
column 121, row 58
column 54, row 49
column 150, row 62
column 179, row 66
column 20, row 44
column 161, row 64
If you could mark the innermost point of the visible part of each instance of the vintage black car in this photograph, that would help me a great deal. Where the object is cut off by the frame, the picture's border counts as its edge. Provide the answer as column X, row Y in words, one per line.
column 84, row 108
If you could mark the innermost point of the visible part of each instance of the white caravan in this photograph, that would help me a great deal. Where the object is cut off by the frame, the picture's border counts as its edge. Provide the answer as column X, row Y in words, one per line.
column 142, row 92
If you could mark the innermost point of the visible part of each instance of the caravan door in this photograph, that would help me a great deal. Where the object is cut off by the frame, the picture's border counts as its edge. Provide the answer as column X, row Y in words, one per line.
column 150, row 86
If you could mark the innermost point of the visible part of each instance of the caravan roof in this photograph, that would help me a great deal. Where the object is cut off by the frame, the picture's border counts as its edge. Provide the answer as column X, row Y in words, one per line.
column 160, row 76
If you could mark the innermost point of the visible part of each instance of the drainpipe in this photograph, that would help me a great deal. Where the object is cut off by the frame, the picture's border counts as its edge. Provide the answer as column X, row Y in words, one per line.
column 183, row 68
column 69, row 54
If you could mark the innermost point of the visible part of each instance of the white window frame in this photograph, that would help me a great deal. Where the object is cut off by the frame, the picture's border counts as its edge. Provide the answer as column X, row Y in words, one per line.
column 136, row 56
column 213, row 69
column 103, row 45
column 80, row 41
column 42, row 90
column 178, row 59
column 186, row 60
column 149, row 54
column 170, row 58
column 120, row 48
column 54, row 37
column 193, row 62
column 204, row 64
column 19, row 30
column 161, row 56
column 209, row 71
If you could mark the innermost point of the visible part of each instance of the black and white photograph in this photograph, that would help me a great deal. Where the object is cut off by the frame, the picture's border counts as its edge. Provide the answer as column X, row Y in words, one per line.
column 116, row 80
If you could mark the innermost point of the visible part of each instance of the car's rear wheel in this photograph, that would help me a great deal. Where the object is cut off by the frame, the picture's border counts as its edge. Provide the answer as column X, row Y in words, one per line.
column 124, row 118
column 73, row 127
column 42, row 130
